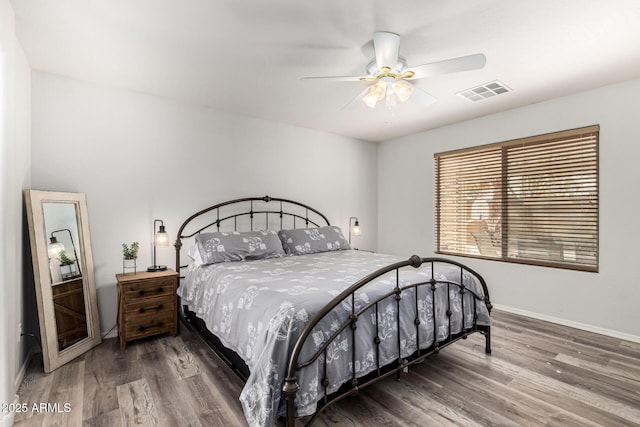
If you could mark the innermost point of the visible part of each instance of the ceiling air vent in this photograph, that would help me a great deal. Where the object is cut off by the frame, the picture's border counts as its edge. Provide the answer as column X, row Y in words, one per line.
column 484, row 91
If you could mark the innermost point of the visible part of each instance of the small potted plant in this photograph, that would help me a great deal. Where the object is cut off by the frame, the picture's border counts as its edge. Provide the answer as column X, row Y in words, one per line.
column 67, row 265
column 130, row 255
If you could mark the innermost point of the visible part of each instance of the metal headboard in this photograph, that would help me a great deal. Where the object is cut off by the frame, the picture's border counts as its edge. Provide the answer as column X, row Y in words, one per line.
column 249, row 214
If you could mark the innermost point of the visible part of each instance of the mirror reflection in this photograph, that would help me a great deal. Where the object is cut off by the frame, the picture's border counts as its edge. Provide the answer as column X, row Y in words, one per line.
column 63, row 274
column 65, row 267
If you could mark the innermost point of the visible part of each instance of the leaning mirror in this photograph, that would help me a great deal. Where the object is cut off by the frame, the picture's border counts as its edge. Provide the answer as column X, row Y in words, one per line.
column 63, row 272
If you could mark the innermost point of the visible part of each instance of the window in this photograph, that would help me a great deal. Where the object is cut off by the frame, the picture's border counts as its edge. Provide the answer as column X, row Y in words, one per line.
column 531, row 200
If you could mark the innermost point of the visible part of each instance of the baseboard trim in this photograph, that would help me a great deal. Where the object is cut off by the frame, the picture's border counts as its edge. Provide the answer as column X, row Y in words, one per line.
column 110, row 334
column 570, row 323
column 23, row 369
column 6, row 419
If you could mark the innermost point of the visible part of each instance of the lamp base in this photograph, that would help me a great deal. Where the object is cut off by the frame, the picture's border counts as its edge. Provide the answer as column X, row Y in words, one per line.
column 157, row 268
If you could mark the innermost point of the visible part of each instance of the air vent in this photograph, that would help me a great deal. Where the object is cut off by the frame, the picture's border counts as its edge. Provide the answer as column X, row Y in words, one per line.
column 484, row 91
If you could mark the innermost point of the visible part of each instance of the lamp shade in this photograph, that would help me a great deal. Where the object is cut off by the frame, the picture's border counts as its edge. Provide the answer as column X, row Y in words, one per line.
column 162, row 238
column 375, row 93
column 402, row 90
column 54, row 247
column 356, row 229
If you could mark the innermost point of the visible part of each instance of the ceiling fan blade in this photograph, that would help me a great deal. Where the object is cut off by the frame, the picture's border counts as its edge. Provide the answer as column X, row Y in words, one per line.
column 351, row 104
column 454, row 65
column 420, row 96
column 387, row 47
column 336, row 78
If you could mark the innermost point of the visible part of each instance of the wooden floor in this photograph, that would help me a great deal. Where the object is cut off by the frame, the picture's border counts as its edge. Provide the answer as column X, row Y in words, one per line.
column 538, row 374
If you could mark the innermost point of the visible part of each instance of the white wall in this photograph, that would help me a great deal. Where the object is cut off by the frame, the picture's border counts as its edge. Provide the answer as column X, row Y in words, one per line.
column 15, row 171
column 606, row 301
column 140, row 157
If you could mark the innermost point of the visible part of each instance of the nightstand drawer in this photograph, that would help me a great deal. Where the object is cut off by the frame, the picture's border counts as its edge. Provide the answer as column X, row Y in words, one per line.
column 149, row 325
column 149, row 289
column 149, row 307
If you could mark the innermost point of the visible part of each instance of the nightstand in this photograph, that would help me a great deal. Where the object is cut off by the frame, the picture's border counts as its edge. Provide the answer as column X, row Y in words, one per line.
column 147, row 304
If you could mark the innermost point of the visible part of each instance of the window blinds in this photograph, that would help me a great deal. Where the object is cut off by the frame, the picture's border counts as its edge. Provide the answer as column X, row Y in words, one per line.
column 531, row 200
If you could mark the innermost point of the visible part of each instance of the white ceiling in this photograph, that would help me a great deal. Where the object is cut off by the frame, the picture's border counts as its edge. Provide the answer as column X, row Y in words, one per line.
column 248, row 56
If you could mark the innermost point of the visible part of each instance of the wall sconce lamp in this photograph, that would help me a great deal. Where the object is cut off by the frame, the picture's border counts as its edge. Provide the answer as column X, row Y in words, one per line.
column 160, row 240
column 355, row 229
column 56, row 247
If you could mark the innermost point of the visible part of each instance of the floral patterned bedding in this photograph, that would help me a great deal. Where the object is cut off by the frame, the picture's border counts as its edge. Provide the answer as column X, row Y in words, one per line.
column 259, row 308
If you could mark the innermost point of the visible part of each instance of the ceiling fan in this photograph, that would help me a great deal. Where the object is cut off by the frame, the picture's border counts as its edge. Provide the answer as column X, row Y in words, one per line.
column 389, row 73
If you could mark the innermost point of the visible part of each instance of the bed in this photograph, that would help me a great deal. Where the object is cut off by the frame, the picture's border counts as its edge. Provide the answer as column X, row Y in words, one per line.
column 303, row 319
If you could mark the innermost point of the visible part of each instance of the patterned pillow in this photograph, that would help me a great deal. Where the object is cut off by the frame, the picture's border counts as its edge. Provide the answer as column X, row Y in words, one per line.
column 312, row 240
column 236, row 246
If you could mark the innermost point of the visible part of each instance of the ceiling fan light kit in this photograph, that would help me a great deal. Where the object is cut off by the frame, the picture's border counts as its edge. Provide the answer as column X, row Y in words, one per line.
column 390, row 74
column 387, row 88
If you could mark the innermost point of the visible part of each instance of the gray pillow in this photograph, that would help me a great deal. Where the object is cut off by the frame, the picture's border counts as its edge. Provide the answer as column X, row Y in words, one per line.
column 238, row 246
column 312, row 240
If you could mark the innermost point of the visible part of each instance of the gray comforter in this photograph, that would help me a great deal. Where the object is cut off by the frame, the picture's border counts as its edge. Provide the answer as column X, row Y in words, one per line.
column 259, row 308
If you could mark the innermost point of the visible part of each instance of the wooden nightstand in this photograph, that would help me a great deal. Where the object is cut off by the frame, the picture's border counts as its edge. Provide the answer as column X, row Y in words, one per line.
column 147, row 305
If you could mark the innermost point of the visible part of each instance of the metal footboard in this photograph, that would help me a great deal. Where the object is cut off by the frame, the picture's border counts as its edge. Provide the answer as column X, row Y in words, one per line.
column 291, row 386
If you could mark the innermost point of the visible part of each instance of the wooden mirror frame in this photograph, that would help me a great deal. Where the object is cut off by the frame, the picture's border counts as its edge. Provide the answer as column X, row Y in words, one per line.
column 52, row 356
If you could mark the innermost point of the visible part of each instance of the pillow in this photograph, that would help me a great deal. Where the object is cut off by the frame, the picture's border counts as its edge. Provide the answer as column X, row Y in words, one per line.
column 194, row 253
column 312, row 240
column 235, row 246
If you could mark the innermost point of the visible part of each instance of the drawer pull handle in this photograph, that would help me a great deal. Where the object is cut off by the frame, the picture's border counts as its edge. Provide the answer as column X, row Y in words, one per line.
column 157, row 307
column 158, row 291
column 144, row 328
